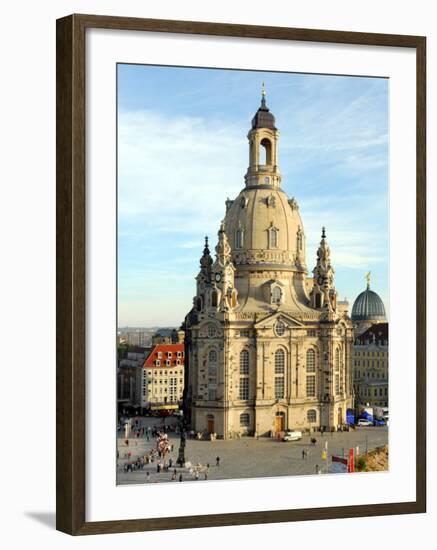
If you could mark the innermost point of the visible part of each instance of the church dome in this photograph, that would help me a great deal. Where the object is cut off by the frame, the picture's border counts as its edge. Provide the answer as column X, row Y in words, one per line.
column 368, row 307
column 264, row 227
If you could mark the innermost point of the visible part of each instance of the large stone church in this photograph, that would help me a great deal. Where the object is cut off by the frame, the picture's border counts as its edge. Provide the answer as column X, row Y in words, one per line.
column 268, row 348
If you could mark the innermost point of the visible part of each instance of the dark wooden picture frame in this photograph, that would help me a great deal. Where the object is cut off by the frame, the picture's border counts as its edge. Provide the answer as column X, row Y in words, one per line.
column 71, row 247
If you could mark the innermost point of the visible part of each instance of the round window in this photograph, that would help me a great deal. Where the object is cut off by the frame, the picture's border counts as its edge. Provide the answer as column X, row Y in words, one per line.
column 280, row 328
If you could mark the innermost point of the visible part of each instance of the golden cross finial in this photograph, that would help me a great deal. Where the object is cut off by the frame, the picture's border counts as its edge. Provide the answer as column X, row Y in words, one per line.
column 263, row 91
column 368, row 279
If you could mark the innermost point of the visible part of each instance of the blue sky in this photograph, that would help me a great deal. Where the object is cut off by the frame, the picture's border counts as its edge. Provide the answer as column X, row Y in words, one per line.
column 182, row 150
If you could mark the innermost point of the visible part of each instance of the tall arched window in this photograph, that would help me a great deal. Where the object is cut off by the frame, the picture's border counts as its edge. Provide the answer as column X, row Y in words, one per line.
column 273, row 237
column 244, row 374
column 239, row 238
column 265, row 152
column 311, row 415
column 311, row 361
column 337, row 359
column 214, row 298
column 279, row 374
column 212, row 375
column 279, row 361
column 311, row 368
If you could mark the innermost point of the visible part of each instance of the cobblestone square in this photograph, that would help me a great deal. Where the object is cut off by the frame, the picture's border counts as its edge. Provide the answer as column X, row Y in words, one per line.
column 247, row 457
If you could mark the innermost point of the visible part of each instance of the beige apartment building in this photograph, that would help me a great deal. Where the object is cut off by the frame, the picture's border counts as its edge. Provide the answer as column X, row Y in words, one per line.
column 371, row 366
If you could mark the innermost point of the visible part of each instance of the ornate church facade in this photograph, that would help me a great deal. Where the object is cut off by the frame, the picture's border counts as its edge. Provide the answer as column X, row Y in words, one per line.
column 267, row 347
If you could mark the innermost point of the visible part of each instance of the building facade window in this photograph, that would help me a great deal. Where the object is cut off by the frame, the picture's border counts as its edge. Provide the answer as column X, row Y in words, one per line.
column 273, row 237
column 212, row 375
column 311, row 415
column 244, row 362
column 239, row 238
column 244, row 374
column 311, row 386
column 311, row 360
column 279, row 374
column 276, row 295
column 244, row 388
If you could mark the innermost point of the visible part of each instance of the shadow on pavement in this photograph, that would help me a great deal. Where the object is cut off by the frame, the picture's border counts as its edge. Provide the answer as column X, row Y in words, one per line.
column 46, row 518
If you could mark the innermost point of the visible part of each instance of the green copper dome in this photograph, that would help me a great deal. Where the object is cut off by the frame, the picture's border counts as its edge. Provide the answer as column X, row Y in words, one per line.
column 368, row 306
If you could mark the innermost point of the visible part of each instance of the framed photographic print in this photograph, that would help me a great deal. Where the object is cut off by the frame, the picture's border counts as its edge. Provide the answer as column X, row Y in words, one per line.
column 240, row 221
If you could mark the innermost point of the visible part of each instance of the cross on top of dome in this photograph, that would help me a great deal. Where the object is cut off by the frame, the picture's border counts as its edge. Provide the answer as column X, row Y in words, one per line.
column 263, row 117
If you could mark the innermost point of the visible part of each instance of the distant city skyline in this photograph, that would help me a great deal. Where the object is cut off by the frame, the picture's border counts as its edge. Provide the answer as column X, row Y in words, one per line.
column 182, row 150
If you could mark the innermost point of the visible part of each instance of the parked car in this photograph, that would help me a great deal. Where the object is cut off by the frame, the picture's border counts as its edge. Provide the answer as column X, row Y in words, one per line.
column 364, row 422
column 292, row 435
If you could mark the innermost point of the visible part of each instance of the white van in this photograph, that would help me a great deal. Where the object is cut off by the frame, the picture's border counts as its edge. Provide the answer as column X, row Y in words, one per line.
column 292, row 436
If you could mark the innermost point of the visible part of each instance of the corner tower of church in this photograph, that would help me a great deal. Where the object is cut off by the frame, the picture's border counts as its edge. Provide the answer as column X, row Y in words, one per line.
column 266, row 349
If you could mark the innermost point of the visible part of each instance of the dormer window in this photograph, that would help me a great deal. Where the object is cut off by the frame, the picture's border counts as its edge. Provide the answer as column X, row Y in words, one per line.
column 158, row 363
column 239, row 238
column 276, row 295
column 273, row 236
column 159, row 354
column 169, row 354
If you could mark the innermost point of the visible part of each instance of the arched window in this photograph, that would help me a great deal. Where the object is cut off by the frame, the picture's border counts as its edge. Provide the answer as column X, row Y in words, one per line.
column 273, row 237
column 279, row 361
column 312, row 415
column 214, row 298
column 276, row 295
column 244, row 420
column 239, row 238
column 337, row 359
column 244, row 374
column 244, row 362
column 299, row 239
column 279, row 374
column 265, row 152
column 311, row 361
column 212, row 375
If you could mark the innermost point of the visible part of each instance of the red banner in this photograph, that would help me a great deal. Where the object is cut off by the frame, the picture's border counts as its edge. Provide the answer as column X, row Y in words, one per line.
column 351, row 461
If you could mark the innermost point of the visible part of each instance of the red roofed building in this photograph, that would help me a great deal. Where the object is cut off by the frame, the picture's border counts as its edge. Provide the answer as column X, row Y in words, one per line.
column 162, row 381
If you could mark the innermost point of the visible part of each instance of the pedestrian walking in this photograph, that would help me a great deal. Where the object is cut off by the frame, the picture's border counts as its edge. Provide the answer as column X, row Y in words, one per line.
column 206, row 475
column 180, row 477
column 148, row 477
column 303, row 454
column 217, row 461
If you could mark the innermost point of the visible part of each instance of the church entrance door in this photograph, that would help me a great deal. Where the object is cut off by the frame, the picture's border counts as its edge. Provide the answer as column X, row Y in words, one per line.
column 279, row 422
column 211, row 424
